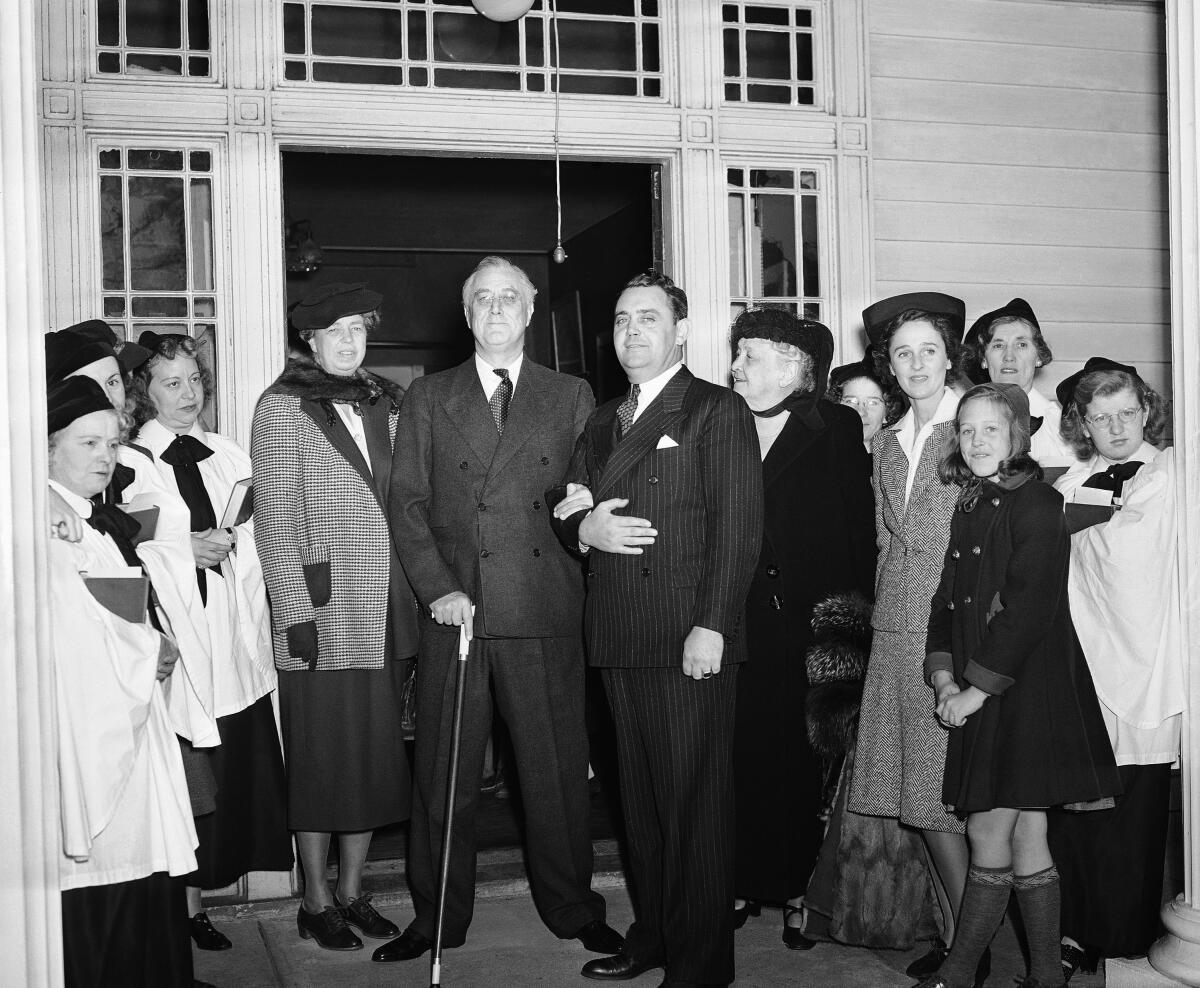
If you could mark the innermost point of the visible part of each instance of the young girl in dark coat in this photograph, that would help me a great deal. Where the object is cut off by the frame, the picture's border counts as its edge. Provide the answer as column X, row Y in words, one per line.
column 1012, row 684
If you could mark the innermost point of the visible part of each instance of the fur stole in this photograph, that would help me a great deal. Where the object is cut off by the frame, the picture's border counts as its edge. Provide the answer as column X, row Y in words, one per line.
column 304, row 378
column 836, row 663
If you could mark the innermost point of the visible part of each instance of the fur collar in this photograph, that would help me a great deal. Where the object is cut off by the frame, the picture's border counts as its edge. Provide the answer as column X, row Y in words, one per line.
column 304, row 378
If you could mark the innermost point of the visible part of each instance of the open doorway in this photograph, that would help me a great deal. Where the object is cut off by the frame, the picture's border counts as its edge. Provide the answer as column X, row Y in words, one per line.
column 414, row 227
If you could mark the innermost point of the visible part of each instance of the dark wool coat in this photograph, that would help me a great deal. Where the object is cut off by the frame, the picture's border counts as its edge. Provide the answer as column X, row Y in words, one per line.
column 1000, row 621
column 818, row 538
column 321, row 522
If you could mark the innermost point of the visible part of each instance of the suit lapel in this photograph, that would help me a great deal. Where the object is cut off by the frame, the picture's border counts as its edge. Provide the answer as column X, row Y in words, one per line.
column 646, row 431
column 799, row 432
column 526, row 414
column 931, row 455
column 893, row 471
column 340, row 439
column 469, row 412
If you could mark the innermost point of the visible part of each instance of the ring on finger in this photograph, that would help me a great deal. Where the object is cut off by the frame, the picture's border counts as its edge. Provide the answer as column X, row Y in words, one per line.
column 707, row 675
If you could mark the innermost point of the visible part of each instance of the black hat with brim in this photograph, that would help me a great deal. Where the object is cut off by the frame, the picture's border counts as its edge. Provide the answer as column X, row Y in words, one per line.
column 129, row 355
column 72, row 399
column 1065, row 392
column 67, row 352
column 844, row 374
column 878, row 315
column 782, row 326
column 325, row 305
column 1016, row 308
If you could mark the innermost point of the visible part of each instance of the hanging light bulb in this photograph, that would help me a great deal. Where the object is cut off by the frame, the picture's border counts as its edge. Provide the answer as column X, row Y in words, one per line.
column 559, row 255
column 502, row 10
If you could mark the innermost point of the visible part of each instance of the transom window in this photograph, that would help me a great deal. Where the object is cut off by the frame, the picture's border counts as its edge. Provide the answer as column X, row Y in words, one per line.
column 157, row 244
column 153, row 37
column 774, row 239
column 769, row 53
column 609, row 47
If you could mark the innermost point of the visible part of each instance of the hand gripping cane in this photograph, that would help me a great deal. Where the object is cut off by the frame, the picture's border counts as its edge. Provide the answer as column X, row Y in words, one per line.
column 460, row 684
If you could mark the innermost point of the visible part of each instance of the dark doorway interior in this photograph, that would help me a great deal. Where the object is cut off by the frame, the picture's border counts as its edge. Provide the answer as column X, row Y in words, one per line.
column 414, row 227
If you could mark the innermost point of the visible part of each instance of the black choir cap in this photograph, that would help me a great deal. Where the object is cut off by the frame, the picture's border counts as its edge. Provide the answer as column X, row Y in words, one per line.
column 74, row 398
column 1065, row 392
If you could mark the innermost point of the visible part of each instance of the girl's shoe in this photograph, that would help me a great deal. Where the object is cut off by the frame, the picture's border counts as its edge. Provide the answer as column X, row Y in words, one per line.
column 793, row 936
column 929, row 963
column 1077, row 959
column 743, row 913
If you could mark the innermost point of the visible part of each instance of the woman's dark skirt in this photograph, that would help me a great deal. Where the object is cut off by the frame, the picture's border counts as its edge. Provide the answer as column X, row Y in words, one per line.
column 248, row 830
column 127, row 935
column 347, row 768
column 1111, row 864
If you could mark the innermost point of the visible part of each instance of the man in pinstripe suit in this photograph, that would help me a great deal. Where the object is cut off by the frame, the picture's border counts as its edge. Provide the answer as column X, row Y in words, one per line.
column 667, row 583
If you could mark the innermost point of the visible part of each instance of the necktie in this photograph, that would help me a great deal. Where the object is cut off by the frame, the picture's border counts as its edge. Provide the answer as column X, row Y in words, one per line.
column 628, row 408
column 122, row 529
column 1113, row 479
column 184, row 455
column 500, row 398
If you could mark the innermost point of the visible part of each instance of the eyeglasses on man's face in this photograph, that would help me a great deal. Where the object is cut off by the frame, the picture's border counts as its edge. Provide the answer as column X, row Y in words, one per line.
column 508, row 299
column 1104, row 419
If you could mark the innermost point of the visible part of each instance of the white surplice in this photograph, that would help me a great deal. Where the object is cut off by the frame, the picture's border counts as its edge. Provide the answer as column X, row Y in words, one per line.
column 1047, row 445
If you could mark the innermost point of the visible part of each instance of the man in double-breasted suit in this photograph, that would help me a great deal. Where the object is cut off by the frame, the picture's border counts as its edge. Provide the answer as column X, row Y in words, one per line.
column 476, row 448
column 667, row 582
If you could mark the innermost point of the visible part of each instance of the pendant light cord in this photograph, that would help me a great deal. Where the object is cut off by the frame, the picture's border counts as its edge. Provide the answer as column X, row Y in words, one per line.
column 560, row 255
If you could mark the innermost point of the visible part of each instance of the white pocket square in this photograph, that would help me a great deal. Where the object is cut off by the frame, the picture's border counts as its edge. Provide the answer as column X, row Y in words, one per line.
column 666, row 442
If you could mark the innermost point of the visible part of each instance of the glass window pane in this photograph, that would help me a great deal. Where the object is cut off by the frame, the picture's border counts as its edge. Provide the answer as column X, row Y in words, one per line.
column 650, row 8
column 808, row 180
column 153, row 24
column 416, row 35
column 535, row 47
column 735, row 310
column 611, row 46
column 197, row 14
column 110, row 157
column 599, row 84
column 469, row 38
column 467, row 79
column 803, row 17
column 206, row 347
column 805, row 96
column 774, row 239
column 650, row 58
column 157, row 250
column 293, row 29
column 767, row 15
column 112, row 232
column 804, row 57
column 767, row 55
column 200, row 161
column 108, row 22
column 652, row 88
column 812, row 310
column 360, row 75
column 769, row 94
column 205, row 307
column 771, row 178
column 365, row 32
column 121, row 330
column 733, row 92
column 108, row 61
column 418, row 77
column 735, row 176
column 200, row 230
column 114, row 305
column 729, row 13
column 197, row 67
column 737, row 245
column 733, row 52
column 535, row 82
column 152, row 159
column 622, row 8
column 810, row 245
column 294, row 71
column 159, row 307
column 141, row 64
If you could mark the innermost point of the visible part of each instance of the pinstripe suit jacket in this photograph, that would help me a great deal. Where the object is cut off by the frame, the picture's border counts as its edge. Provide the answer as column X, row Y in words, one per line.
column 704, row 496
column 912, row 537
column 468, row 506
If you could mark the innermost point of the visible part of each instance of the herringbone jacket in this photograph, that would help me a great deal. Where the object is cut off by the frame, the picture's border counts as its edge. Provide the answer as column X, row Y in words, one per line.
column 912, row 537
column 320, row 514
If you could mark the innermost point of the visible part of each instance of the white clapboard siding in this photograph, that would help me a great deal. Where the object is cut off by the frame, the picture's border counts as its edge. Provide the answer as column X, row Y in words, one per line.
column 1018, row 149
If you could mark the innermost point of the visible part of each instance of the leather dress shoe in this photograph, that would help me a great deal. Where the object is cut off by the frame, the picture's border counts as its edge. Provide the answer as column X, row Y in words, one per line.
column 743, row 913
column 205, row 935
column 408, row 945
column 793, row 936
column 600, row 938
column 328, row 928
column 621, row 967
column 361, row 914
column 928, row 964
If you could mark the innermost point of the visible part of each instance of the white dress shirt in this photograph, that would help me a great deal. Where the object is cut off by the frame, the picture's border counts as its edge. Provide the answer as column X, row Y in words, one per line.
column 912, row 441
column 649, row 390
column 491, row 380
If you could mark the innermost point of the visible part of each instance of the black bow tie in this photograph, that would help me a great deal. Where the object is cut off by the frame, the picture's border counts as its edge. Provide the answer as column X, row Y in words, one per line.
column 1113, row 479
column 184, row 450
column 182, row 455
column 123, row 529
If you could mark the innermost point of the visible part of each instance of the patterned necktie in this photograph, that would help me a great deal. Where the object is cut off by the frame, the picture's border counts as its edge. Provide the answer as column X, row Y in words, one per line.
column 500, row 398
column 628, row 408
column 1113, row 479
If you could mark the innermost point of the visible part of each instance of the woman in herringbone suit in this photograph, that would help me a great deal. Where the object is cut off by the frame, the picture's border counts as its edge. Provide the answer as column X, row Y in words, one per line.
column 901, row 748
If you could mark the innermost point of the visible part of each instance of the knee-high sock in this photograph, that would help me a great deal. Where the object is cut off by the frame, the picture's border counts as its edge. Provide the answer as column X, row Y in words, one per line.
column 984, row 901
column 1039, row 900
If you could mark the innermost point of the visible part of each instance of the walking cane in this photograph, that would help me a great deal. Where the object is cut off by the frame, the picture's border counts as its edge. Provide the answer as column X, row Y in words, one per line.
column 460, row 684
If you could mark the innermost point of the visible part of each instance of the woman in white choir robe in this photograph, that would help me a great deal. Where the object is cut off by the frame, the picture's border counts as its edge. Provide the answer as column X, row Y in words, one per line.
column 248, row 830
column 127, row 832
column 1125, row 601
column 1006, row 346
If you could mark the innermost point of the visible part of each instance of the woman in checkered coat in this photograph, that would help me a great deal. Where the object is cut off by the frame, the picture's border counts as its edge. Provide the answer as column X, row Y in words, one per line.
column 901, row 748
column 342, row 611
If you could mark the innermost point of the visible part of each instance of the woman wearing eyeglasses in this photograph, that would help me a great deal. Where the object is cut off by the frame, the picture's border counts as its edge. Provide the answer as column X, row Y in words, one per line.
column 1124, row 598
column 858, row 387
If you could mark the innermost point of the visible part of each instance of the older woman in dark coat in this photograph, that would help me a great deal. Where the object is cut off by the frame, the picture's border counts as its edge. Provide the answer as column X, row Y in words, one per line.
column 818, row 539
column 343, row 613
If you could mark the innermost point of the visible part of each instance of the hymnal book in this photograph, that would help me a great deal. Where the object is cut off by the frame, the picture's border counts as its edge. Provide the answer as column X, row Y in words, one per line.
column 241, row 504
column 124, row 590
column 1090, row 506
column 143, row 510
column 1051, row 474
